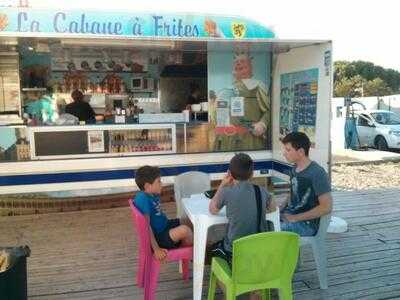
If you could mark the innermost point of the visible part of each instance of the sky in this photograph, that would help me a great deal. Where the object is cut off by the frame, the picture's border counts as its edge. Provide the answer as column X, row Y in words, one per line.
column 360, row 30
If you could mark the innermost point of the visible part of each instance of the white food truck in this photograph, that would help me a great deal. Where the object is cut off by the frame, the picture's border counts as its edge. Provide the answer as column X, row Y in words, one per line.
column 182, row 92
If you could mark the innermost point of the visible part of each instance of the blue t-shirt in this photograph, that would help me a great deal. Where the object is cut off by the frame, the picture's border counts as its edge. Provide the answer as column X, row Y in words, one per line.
column 149, row 204
column 306, row 186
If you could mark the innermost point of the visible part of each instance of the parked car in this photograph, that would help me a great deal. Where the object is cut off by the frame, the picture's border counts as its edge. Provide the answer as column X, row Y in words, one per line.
column 379, row 129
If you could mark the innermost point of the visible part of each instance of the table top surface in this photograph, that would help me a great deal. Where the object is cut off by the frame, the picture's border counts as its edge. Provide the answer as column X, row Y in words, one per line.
column 197, row 205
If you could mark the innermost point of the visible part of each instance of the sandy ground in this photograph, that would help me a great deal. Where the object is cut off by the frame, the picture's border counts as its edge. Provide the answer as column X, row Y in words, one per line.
column 366, row 176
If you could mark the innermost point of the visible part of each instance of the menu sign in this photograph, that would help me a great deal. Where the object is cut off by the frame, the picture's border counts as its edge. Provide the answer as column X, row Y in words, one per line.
column 96, row 141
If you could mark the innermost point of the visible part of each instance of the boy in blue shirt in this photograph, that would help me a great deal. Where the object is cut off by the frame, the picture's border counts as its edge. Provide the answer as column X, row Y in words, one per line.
column 164, row 233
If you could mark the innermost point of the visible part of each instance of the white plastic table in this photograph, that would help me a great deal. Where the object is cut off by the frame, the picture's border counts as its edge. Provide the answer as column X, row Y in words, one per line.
column 196, row 209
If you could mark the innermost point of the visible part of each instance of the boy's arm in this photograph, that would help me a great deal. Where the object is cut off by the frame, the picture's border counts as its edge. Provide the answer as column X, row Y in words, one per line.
column 323, row 208
column 215, row 206
column 159, row 253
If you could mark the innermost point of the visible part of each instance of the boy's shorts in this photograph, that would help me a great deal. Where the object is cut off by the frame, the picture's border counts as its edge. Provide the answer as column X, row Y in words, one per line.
column 164, row 239
column 218, row 250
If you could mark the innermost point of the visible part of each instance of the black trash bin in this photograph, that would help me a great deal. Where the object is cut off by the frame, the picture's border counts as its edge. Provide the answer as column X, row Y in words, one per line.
column 13, row 281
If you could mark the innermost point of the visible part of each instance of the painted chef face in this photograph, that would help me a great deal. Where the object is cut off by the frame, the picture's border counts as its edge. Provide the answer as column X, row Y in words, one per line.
column 242, row 68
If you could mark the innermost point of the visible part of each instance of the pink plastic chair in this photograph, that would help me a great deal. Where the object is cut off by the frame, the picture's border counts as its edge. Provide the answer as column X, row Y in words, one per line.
column 149, row 266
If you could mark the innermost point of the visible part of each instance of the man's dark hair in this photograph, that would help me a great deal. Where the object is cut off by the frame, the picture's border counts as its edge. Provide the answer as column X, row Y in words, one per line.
column 298, row 140
column 241, row 166
column 146, row 174
column 77, row 95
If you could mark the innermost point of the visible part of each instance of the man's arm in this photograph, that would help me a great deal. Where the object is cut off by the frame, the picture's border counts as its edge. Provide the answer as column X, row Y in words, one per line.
column 91, row 113
column 159, row 253
column 323, row 208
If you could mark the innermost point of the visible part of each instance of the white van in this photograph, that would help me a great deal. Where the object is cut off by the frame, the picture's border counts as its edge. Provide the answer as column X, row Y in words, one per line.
column 379, row 129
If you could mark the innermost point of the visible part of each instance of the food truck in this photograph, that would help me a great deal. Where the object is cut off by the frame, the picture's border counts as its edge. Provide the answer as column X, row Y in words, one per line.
column 182, row 92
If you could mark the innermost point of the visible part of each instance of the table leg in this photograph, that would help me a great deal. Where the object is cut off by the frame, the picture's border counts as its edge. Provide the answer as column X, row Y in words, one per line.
column 199, row 253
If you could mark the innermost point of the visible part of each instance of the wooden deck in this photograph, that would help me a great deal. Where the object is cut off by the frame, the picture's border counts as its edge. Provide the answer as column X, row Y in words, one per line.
column 92, row 254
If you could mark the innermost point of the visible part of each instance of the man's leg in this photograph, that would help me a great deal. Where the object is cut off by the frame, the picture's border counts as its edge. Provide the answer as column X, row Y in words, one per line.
column 301, row 228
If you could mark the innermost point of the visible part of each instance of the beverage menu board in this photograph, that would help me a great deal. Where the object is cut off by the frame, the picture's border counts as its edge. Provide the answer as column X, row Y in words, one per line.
column 298, row 109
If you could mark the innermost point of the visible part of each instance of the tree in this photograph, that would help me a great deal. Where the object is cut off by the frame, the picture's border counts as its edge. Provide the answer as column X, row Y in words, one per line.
column 377, row 87
column 349, row 87
column 351, row 78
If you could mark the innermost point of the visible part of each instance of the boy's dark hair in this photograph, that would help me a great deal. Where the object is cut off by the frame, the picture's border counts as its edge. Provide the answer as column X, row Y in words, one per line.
column 241, row 166
column 298, row 140
column 146, row 174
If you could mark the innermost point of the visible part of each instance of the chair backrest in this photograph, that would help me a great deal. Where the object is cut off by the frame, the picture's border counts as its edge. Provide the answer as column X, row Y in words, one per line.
column 142, row 230
column 189, row 183
column 323, row 226
column 262, row 257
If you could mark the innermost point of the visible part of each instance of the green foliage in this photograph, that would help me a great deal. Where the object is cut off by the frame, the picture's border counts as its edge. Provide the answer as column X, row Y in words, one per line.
column 360, row 78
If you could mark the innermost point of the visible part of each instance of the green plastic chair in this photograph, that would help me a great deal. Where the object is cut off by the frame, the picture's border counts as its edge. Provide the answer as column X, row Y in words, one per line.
column 260, row 261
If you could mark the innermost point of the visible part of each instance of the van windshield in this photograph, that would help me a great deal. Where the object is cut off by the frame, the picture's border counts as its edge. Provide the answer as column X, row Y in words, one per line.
column 386, row 118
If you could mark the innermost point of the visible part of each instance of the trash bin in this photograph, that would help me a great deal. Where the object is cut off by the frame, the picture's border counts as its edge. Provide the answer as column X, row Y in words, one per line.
column 13, row 275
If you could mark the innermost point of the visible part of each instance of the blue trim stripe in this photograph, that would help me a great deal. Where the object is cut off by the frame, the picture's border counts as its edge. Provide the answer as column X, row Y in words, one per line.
column 282, row 167
column 129, row 174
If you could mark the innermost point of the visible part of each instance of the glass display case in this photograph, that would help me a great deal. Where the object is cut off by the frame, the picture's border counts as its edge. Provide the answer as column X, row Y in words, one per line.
column 141, row 140
column 55, row 142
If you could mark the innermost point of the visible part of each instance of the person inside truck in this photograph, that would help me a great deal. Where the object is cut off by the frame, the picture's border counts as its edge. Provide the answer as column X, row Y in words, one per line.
column 80, row 108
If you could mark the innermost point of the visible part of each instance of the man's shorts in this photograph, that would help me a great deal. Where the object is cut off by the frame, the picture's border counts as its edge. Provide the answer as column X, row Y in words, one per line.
column 164, row 239
column 218, row 250
column 302, row 228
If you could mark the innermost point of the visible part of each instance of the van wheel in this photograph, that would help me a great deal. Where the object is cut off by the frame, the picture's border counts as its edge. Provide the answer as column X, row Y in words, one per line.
column 381, row 144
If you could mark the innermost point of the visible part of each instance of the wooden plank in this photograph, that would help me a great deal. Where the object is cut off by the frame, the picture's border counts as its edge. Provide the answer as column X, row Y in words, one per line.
column 92, row 254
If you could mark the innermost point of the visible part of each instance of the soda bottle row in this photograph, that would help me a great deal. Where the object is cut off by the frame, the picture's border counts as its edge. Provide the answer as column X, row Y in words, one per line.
column 156, row 135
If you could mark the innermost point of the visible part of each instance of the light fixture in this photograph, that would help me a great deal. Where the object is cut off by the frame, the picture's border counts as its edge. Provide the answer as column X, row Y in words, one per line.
column 119, row 43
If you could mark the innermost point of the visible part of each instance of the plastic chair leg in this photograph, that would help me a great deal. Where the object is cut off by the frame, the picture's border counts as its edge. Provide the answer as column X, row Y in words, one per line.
column 185, row 269
column 141, row 272
column 266, row 294
column 180, row 267
column 319, row 253
column 212, row 287
column 285, row 293
column 151, row 284
column 300, row 261
column 230, row 293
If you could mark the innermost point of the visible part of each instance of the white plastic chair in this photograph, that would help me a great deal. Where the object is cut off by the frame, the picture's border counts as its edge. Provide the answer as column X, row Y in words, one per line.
column 187, row 184
column 337, row 225
column 274, row 217
column 318, row 246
